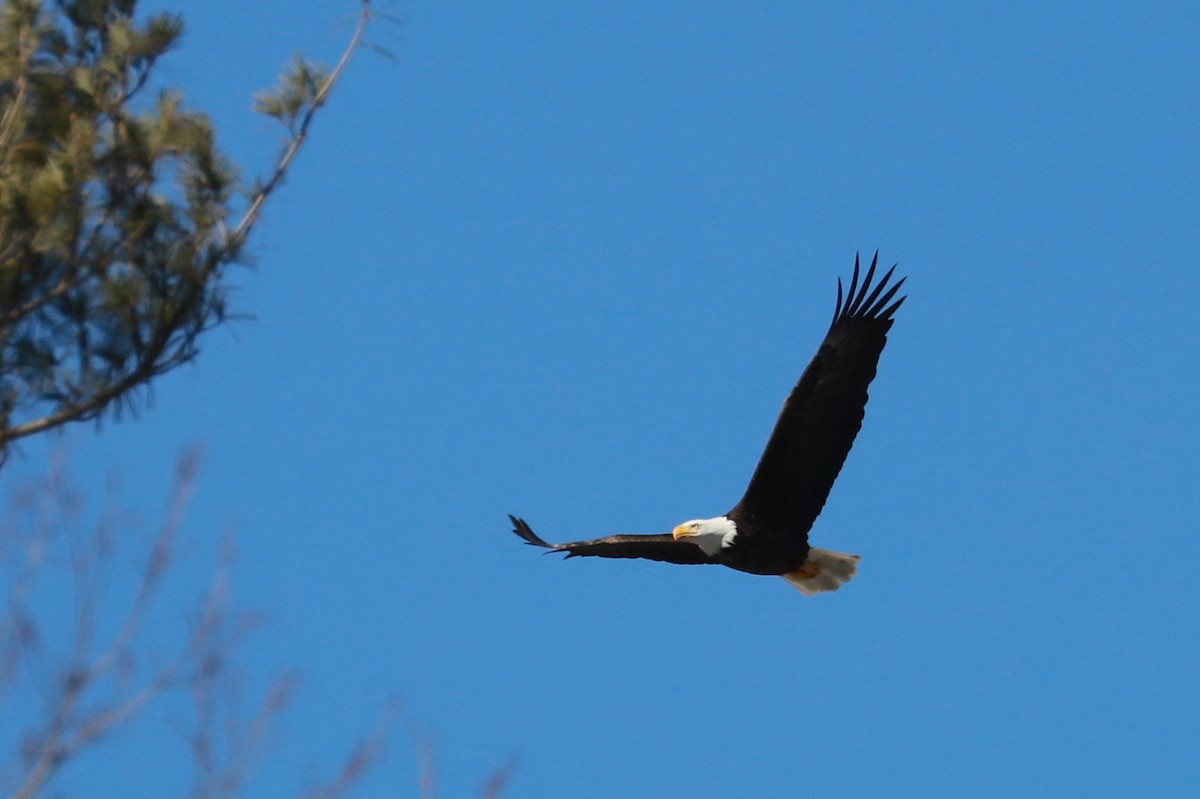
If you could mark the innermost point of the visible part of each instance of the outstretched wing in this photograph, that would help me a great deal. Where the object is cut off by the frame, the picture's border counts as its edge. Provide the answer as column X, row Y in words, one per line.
column 650, row 547
column 824, row 412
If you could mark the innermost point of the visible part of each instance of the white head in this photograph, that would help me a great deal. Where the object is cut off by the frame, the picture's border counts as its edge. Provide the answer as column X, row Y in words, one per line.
column 711, row 535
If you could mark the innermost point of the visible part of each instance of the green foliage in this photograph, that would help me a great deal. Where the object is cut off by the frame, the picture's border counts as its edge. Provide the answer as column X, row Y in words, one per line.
column 119, row 216
column 298, row 91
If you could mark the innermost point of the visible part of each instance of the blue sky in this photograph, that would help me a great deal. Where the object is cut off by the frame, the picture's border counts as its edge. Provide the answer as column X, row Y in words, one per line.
column 565, row 260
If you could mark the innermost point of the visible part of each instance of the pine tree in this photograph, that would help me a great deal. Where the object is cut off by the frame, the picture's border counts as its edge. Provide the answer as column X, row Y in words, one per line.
column 119, row 215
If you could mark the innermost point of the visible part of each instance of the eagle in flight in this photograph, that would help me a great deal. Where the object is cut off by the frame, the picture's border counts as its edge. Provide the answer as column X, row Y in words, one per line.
column 766, row 532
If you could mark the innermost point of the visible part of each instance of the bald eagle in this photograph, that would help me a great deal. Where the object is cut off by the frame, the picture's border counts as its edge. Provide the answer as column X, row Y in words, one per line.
column 767, row 531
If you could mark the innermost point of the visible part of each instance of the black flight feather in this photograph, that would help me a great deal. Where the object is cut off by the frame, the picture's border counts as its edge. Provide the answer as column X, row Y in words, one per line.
column 824, row 411
column 651, row 547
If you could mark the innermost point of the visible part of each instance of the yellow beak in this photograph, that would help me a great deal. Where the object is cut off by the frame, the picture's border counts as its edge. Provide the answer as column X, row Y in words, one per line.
column 682, row 531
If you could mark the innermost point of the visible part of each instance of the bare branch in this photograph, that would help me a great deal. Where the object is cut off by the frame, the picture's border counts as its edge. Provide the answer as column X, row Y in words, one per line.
column 427, row 784
column 18, row 630
column 426, row 763
column 362, row 758
column 97, row 693
column 497, row 781
column 68, row 731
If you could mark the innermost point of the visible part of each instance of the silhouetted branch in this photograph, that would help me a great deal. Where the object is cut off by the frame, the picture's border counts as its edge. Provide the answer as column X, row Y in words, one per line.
column 362, row 758
column 99, row 689
column 427, row 784
column 90, row 699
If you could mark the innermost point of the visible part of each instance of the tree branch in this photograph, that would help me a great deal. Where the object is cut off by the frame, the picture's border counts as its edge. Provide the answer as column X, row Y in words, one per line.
column 239, row 234
column 67, row 733
column 120, row 280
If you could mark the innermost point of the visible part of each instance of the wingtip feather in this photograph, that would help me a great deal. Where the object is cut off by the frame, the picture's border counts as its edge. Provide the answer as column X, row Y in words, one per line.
column 526, row 533
column 867, row 300
column 848, row 309
column 837, row 309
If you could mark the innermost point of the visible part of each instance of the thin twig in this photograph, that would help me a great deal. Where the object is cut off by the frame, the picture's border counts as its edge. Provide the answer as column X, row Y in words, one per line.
column 67, row 733
column 252, row 213
column 362, row 758
column 426, row 763
column 497, row 781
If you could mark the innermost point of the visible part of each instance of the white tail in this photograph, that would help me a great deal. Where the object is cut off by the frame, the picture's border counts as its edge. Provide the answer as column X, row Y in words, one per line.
column 824, row 570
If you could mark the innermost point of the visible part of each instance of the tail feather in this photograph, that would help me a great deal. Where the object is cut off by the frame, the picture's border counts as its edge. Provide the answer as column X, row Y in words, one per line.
column 824, row 570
